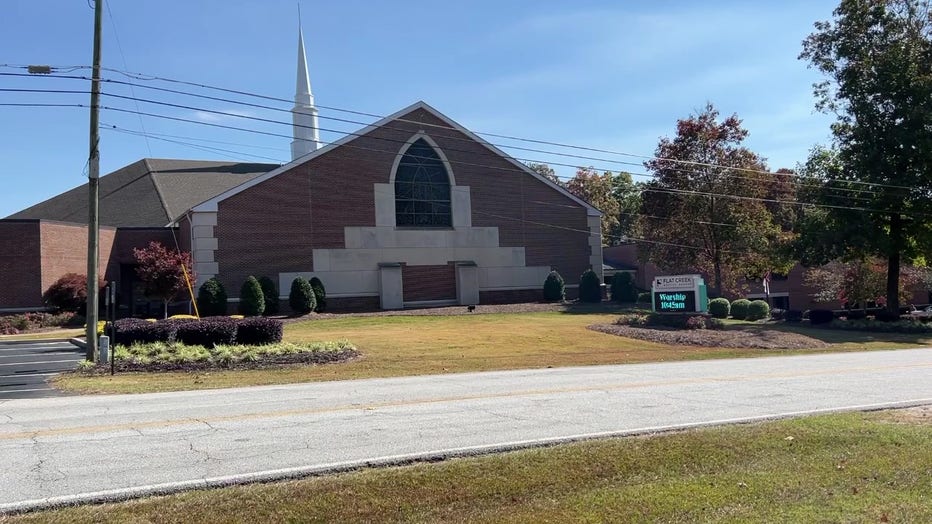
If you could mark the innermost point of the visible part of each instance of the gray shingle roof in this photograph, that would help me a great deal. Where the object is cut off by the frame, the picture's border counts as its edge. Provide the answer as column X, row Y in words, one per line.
column 148, row 193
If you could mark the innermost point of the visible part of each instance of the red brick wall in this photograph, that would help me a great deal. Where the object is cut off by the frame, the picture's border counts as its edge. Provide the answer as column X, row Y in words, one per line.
column 64, row 250
column 266, row 230
column 273, row 226
column 20, row 268
column 428, row 282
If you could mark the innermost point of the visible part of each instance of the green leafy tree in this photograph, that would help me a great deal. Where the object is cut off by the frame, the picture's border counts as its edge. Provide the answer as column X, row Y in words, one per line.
column 623, row 289
column 163, row 272
column 301, row 297
column 876, row 57
column 270, row 293
column 597, row 189
column 706, row 207
column 212, row 298
column 627, row 193
column 546, row 171
column 590, row 287
column 251, row 298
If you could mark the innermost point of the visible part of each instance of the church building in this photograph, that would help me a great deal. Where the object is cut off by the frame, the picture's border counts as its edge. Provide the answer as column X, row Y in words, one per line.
column 413, row 210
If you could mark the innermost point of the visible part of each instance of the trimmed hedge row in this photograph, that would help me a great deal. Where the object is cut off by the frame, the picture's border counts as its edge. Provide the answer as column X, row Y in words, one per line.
column 208, row 331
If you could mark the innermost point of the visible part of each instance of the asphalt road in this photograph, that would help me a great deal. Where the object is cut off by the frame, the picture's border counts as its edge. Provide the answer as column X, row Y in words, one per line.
column 26, row 368
column 98, row 447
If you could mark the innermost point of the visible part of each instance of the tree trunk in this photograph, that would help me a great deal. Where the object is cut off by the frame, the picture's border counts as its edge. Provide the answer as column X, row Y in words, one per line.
column 893, row 263
column 718, row 275
column 164, row 309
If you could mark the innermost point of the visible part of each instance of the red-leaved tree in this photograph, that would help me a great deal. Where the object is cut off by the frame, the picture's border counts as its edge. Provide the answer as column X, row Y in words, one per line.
column 161, row 270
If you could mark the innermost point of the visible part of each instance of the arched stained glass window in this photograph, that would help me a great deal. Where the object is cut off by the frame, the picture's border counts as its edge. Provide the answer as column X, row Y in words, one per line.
column 422, row 189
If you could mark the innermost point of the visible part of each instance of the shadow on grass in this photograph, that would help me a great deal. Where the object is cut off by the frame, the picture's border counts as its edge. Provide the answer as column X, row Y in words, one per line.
column 601, row 308
column 836, row 336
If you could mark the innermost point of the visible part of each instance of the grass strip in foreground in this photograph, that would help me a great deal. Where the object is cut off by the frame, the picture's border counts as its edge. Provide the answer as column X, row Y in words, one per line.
column 852, row 467
column 396, row 346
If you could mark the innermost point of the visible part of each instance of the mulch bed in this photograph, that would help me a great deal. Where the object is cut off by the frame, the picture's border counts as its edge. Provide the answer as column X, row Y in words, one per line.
column 728, row 338
column 263, row 362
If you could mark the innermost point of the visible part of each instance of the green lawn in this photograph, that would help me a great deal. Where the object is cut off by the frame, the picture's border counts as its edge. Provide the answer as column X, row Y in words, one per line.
column 415, row 345
column 839, row 468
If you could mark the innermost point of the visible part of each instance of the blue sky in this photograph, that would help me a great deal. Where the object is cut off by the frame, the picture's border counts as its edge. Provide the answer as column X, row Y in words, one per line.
column 609, row 74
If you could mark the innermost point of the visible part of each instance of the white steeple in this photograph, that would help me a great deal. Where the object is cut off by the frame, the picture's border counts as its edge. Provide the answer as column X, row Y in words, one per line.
column 304, row 114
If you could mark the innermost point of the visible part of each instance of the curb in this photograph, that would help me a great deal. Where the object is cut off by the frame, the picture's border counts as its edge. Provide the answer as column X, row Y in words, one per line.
column 81, row 343
column 168, row 488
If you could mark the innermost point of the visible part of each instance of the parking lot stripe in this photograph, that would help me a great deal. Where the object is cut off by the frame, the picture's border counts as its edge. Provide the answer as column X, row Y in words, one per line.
column 39, row 362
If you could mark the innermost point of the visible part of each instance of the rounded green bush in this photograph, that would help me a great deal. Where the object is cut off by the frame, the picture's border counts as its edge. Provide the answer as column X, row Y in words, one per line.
column 251, row 298
column 739, row 309
column 590, row 287
column 320, row 294
column 554, row 287
column 212, row 298
column 301, row 298
column 758, row 310
column 719, row 307
column 623, row 289
column 270, row 293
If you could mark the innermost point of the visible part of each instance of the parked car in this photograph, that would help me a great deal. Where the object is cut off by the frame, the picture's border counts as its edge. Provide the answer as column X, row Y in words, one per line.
column 921, row 314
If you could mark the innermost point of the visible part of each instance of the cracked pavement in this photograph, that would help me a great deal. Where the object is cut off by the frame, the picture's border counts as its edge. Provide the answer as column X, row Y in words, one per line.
column 66, row 446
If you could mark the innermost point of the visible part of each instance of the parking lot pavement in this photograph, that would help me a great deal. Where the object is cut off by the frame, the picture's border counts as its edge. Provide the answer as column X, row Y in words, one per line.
column 26, row 368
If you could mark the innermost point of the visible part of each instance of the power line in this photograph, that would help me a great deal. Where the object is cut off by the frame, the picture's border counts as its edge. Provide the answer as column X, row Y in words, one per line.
column 141, row 76
column 357, row 134
column 498, row 168
column 116, row 36
column 210, row 149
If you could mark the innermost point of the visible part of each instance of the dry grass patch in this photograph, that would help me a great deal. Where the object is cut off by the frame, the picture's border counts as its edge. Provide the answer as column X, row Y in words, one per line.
column 417, row 345
column 838, row 468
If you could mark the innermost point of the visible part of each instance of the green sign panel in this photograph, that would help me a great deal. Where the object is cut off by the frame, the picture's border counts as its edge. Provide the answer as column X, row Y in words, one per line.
column 675, row 301
column 679, row 294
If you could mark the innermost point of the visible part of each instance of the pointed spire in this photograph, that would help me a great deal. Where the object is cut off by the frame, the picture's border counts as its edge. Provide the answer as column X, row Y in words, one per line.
column 303, row 94
column 304, row 115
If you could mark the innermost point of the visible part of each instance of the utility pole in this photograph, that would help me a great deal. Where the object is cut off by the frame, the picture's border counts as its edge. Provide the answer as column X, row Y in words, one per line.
column 93, row 175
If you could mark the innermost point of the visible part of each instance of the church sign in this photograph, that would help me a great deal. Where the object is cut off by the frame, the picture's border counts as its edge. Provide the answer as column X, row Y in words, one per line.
column 679, row 294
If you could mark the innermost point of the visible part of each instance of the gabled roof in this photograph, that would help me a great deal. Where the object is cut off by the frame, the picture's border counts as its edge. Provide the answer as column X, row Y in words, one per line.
column 211, row 204
column 148, row 193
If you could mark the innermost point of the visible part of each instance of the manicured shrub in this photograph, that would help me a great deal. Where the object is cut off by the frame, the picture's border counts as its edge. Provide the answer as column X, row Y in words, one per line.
column 820, row 316
column 68, row 293
column 911, row 326
column 554, row 287
column 131, row 331
column 590, row 287
column 320, row 295
column 212, row 298
column 719, row 307
column 270, row 293
column 856, row 314
column 301, row 298
column 257, row 331
column 793, row 315
column 739, row 309
column 696, row 322
column 623, row 290
column 251, row 298
column 758, row 310
column 644, row 297
column 887, row 316
column 207, row 332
